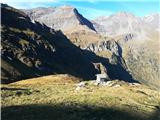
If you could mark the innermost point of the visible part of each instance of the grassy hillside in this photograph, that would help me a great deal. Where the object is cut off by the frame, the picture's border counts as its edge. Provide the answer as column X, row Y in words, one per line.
column 55, row 97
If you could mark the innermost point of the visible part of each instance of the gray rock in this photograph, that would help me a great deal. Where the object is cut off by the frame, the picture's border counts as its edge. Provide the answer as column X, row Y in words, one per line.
column 109, row 45
column 80, row 86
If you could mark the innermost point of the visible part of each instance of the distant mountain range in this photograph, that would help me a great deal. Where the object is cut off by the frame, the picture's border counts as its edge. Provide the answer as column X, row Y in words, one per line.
column 123, row 23
column 68, row 19
column 127, row 45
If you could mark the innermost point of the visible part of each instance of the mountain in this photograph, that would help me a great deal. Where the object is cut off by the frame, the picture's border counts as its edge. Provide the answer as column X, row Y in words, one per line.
column 31, row 49
column 152, row 20
column 65, row 18
column 138, row 37
column 124, row 22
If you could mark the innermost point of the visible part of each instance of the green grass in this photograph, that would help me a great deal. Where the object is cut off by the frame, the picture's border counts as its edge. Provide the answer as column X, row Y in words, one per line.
column 55, row 98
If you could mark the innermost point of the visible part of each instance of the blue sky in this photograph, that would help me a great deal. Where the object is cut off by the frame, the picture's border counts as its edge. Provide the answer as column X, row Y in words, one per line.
column 94, row 8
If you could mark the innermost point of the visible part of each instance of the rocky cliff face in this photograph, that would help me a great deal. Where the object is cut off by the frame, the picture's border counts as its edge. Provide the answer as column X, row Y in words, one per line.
column 32, row 49
column 110, row 45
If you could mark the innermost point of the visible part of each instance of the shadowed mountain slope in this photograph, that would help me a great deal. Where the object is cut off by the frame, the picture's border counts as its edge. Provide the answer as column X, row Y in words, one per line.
column 32, row 49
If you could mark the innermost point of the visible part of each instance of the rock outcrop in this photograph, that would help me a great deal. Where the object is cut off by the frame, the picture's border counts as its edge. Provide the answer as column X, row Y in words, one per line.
column 109, row 45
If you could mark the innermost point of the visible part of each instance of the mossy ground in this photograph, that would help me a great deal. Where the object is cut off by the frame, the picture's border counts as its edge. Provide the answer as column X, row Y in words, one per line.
column 55, row 98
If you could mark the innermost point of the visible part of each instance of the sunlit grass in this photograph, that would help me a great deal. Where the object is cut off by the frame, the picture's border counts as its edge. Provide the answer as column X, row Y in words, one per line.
column 60, row 90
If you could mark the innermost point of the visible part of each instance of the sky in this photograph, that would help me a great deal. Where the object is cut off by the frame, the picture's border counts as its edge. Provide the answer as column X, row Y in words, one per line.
column 94, row 8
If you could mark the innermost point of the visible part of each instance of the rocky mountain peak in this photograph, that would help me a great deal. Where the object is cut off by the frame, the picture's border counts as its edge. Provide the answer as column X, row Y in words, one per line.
column 64, row 11
column 65, row 18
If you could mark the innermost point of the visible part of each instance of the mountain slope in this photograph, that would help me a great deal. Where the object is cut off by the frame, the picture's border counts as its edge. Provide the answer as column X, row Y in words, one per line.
column 143, row 60
column 138, row 37
column 32, row 49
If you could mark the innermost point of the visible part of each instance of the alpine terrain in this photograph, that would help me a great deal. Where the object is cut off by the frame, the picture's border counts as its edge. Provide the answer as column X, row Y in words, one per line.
column 57, row 64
